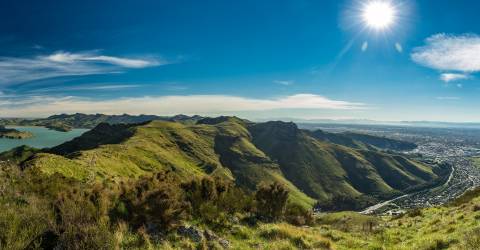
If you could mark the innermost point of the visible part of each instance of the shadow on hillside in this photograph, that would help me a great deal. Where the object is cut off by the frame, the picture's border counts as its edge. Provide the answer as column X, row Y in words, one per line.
column 102, row 134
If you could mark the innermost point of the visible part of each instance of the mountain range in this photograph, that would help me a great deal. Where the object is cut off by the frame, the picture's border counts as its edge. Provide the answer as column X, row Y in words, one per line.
column 315, row 166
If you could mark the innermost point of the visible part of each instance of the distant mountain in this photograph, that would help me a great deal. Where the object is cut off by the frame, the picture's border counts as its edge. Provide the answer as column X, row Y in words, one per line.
column 249, row 153
column 79, row 120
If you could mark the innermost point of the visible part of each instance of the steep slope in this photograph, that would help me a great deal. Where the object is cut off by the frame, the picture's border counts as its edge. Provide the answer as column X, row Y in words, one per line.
column 232, row 148
column 327, row 171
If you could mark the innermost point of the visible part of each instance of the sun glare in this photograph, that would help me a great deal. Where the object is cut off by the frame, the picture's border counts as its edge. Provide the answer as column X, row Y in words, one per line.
column 378, row 14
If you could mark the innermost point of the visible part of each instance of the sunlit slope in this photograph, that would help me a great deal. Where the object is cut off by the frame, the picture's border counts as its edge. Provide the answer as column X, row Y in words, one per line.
column 231, row 148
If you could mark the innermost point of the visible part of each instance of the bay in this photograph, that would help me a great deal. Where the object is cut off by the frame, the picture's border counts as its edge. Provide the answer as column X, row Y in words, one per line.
column 42, row 138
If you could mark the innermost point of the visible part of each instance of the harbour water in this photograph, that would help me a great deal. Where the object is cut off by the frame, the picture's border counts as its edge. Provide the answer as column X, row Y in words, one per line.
column 42, row 138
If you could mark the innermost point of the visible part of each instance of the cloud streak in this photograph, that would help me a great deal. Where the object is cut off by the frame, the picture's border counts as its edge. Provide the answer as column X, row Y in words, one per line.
column 450, row 98
column 459, row 54
column 25, row 69
column 452, row 77
column 169, row 105
column 283, row 82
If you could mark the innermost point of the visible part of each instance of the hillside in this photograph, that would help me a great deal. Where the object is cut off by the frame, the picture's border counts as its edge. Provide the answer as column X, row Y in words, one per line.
column 328, row 171
column 232, row 148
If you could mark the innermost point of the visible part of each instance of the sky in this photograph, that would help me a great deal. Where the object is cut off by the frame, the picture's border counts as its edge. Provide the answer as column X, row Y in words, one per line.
column 269, row 59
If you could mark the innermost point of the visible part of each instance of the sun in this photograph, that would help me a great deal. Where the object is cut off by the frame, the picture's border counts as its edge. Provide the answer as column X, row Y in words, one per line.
column 378, row 14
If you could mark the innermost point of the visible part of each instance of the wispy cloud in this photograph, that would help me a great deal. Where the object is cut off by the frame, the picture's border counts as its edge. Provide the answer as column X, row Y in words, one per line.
column 451, row 98
column 284, row 82
column 24, row 69
column 86, row 87
column 168, row 105
column 451, row 77
column 450, row 53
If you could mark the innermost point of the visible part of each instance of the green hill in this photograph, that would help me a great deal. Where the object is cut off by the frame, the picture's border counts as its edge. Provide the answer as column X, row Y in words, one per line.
column 246, row 152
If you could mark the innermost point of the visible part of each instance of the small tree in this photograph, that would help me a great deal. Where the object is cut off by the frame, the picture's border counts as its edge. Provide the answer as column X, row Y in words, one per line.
column 271, row 200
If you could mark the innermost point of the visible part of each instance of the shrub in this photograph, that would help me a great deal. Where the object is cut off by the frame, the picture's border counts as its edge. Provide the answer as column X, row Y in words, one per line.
column 298, row 215
column 271, row 201
column 472, row 239
column 476, row 208
column 154, row 202
column 415, row 212
column 80, row 224
column 214, row 200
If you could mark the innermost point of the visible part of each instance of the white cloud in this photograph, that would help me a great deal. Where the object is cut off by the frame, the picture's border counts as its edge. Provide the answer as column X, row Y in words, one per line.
column 69, row 58
column 450, row 53
column 283, row 82
column 451, row 77
column 24, row 69
column 168, row 105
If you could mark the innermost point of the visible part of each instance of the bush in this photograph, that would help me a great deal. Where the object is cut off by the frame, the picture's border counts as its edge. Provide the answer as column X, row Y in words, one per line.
column 80, row 223
column 298, row 215
column 155, row 202
column 415, row 212
column 214, row 201
column 271, row 201
column 472, row 239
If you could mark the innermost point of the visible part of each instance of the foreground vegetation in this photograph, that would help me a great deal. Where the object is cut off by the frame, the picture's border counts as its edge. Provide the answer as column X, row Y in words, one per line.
column 159, row 211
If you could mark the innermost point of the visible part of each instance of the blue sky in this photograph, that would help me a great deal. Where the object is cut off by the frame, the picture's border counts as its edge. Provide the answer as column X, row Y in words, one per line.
column 257, row 59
